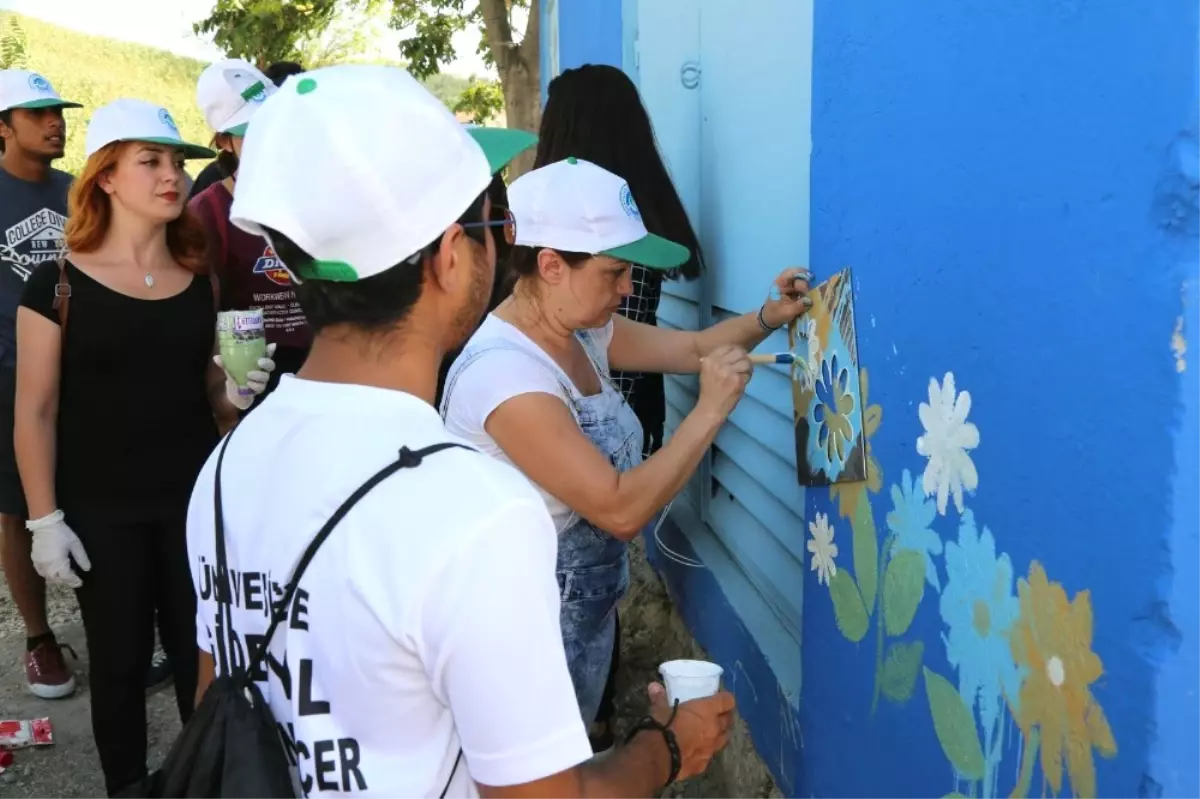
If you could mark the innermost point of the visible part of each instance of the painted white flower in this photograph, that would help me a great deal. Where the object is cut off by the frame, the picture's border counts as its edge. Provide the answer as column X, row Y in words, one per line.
column 823, row 549
column 948, row 437
column 806, row 371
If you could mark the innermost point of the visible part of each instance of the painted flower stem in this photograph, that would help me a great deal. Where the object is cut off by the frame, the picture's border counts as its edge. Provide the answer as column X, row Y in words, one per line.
column 882, row 560
column 1028, row 757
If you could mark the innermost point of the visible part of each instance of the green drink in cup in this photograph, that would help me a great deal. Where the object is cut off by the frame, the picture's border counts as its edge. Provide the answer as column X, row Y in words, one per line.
column 242, row 338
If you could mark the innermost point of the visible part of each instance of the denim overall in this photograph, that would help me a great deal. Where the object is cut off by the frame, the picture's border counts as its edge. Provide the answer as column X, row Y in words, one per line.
column 593, row 566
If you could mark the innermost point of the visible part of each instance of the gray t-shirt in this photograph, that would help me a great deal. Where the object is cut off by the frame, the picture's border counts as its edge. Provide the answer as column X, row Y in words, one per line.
column 32, row 217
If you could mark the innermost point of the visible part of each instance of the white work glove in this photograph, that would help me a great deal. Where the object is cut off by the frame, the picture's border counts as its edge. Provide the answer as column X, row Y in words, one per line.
column 54, row 544
column 256, row 381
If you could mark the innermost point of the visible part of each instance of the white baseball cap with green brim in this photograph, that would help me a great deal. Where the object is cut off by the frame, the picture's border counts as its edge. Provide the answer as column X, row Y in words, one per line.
column 230, row 92
column 576, row 206
column 137, row 120
column 20, row 88
column 362, row 168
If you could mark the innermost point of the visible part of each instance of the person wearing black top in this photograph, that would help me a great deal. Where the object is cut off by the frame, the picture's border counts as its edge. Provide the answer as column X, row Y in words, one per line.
column 217, row 170
column 116, row 411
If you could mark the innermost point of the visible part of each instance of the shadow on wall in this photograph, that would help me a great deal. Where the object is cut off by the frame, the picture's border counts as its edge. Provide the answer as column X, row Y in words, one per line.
column 1022, row 663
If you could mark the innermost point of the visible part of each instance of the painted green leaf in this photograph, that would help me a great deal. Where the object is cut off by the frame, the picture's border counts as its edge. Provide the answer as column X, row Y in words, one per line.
column 903, row 588
column 901, row 665
column 848, row 610
column 955, row 726
column 866, row 553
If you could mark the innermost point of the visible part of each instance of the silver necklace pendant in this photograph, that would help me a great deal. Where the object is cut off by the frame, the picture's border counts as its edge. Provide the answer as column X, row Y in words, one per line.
column 149, row 280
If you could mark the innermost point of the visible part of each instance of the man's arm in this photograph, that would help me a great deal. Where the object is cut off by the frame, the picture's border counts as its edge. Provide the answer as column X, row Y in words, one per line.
column 493, row 640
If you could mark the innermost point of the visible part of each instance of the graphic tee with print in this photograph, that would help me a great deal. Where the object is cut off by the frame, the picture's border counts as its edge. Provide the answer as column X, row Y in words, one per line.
column 427, row 622
column 252, row 277
column 32, row 218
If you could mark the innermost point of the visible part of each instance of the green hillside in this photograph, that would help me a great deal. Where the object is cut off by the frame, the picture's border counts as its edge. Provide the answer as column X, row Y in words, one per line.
column 94, row 70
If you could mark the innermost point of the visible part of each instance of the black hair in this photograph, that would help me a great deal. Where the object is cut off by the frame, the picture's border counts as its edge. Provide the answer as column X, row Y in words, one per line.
column 281, row 70
column 376, row 304
column 502, row 285
column 594, row 112
column 6, row 118
column 227, row 163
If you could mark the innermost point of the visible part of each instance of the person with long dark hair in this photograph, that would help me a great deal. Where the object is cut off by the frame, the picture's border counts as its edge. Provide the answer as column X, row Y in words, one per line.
column 117, row 394
column 594, row 112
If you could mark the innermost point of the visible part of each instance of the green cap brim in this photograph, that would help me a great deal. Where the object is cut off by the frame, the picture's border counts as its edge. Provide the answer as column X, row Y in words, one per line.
column 189, row 150
column 501, row 145
column 237, row 130
column 652, row 252
column 49, row 102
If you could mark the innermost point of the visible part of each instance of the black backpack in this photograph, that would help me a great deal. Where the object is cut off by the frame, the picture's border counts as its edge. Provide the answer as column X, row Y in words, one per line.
column 232, row 746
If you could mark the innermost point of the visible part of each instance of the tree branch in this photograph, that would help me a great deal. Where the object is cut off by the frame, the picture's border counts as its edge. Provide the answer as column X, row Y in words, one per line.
column 498, row 29
column 530, row 45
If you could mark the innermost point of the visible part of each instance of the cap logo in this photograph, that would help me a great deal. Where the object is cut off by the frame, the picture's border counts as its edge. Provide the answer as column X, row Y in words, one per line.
column 165, row 117
column 627, row 203
column 255, row 93
column 39, row 84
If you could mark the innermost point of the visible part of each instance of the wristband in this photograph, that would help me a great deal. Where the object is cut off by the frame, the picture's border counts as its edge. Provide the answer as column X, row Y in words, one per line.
column 651, row 723
column 762, row 322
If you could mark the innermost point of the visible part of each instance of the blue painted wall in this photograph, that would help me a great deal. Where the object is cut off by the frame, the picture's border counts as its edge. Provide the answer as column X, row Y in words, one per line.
column 1015, row 187
column 589, row 32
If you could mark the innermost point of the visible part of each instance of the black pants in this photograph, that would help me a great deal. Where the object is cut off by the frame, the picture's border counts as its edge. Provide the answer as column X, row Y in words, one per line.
column 138, row 569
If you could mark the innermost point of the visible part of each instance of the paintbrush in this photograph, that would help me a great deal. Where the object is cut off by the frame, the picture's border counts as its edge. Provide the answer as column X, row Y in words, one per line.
column 784, row 358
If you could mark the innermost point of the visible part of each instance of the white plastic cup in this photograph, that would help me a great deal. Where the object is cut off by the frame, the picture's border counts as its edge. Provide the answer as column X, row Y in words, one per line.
column 690, row 679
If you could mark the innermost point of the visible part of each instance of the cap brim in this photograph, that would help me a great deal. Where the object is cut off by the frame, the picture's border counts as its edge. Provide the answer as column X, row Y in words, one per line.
column 48, row 102
column 652, row 252
column 189, row 150
column 501, row 145
column 237, row 130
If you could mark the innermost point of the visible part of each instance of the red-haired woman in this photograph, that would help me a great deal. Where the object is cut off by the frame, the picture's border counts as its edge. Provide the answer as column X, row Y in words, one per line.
column 116, row 412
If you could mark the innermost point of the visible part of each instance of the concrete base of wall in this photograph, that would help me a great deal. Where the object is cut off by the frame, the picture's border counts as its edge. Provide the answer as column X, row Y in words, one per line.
column 652, row 632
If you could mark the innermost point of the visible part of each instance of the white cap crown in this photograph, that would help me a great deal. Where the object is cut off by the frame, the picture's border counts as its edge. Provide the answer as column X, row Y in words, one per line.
column 359, row 165
column 137, row 120
column 21, row 88
column 577, row 206
column 230, row 92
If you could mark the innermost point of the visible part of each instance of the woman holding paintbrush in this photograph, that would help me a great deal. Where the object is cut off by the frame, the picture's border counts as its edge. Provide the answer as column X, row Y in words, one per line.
column 533, row 388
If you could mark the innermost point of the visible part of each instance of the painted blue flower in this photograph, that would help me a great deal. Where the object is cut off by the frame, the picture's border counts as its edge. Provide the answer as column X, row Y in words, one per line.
column 979, row 607
column 909, row 521
column 833, row 412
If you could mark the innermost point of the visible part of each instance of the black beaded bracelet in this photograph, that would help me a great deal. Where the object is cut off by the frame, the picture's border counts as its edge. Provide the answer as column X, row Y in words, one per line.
column 762, row 322
column 651, row 723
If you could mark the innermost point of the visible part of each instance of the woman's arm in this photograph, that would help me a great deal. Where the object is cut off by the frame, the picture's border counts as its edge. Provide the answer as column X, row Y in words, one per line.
column 35, row 415
column 542, row 439
column 638, row 347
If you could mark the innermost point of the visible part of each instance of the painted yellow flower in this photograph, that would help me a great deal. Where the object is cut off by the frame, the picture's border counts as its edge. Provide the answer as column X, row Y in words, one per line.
column 848, row 494
column 1052, row 640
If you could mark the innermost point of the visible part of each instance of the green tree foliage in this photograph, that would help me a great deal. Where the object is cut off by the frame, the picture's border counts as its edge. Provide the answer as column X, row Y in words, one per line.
column 480, row 100
column 264, row 31
column 13, row 44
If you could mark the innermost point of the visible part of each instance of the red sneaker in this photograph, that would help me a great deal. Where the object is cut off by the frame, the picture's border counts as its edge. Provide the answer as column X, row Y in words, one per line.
column 46, row 671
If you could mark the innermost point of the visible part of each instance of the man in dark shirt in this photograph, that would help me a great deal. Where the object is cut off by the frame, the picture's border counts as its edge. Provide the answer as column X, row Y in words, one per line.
column 214, row 172
column 33, row 213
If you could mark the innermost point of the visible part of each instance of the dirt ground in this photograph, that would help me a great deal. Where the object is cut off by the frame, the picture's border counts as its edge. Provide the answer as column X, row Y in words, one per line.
column 652, row 632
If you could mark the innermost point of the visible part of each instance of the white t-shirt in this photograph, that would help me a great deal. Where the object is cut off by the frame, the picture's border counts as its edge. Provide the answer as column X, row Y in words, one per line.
column 513, row 365
column 428, row 620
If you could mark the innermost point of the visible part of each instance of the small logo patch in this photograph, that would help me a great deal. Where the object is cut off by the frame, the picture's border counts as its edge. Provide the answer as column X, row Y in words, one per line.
column 272, row 268
column 165, row 117
column 39, row 84
column 627, row 203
